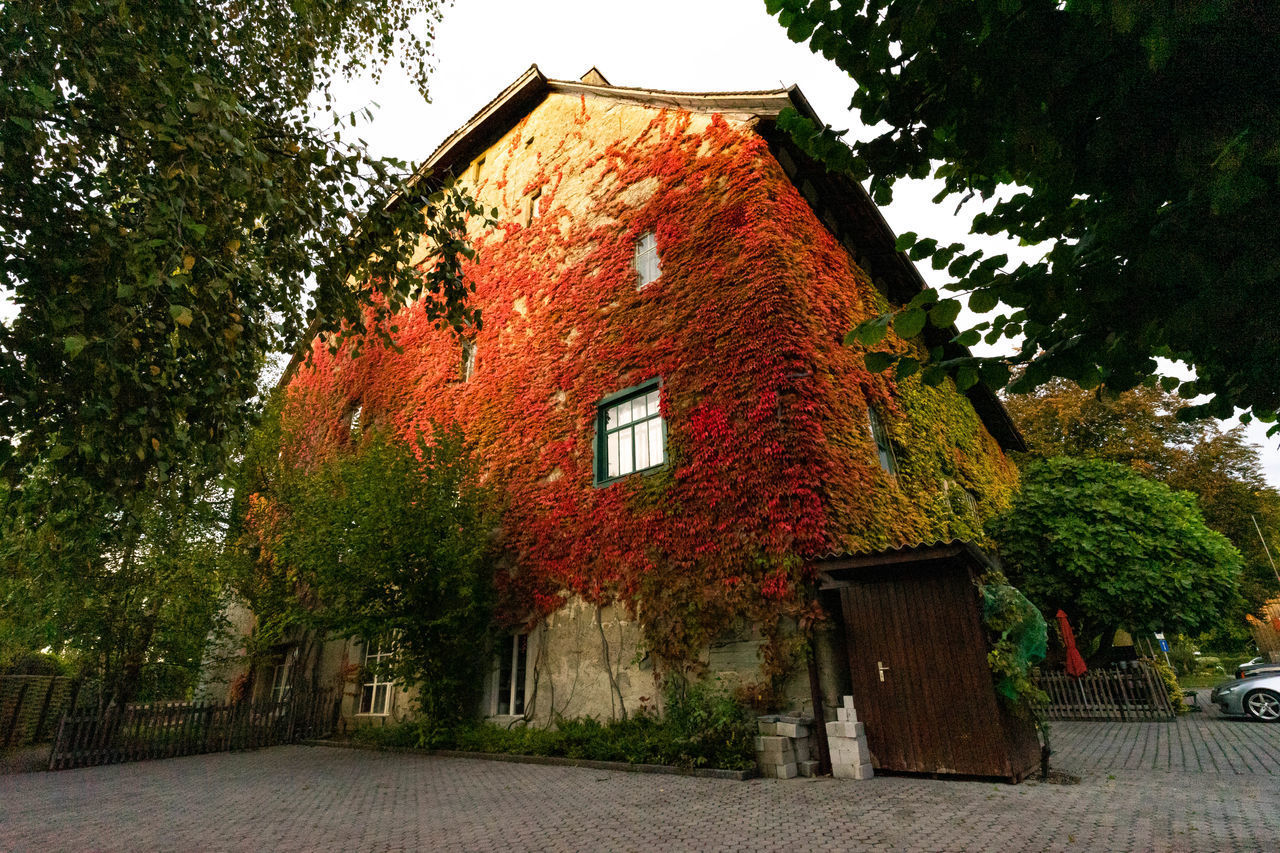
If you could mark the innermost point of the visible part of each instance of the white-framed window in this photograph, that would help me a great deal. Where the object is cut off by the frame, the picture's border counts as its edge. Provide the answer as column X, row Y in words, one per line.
column 535, row 207
column 513, row 661
column 630, row 433
column 884, row 449
column 468, row 360
column 375, row 692
column 648, row 264
column 280, row 676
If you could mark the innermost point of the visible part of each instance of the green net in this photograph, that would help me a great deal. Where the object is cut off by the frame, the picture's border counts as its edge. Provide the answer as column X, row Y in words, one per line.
column 1020, row 633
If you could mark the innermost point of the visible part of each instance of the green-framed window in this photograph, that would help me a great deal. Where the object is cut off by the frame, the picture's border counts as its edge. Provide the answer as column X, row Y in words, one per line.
column 630, row 434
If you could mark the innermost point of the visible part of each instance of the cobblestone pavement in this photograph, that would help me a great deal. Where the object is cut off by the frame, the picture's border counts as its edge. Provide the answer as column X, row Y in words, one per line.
column 321, row 799
column 1199, row 742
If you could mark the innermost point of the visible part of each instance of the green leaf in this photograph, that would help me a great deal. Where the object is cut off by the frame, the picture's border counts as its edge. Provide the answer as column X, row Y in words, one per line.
column 983, row 301
column 905, row 241
column 944, row 314
column 923, row 249
column 878, row 362
column 869, row 332
column 73, row 344
column 181, row 315
column 909, row 323
column 995, row 374
column 906, row 366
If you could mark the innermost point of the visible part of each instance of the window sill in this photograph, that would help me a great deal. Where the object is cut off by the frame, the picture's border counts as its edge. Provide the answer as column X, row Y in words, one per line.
column 643, row 472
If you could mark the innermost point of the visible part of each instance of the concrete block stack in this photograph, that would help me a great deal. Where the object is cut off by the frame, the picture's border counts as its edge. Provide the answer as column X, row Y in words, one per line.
column 783, row 748
column 847, row 741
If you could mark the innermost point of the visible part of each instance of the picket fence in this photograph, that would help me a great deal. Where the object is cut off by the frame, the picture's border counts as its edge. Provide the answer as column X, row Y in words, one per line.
column 144, row 731
column 1132, row 693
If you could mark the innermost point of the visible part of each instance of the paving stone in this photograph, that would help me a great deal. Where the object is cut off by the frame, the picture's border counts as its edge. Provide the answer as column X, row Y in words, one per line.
column 1200, row 783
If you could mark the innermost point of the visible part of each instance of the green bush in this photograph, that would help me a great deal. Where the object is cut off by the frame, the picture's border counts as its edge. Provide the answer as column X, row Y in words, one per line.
column 1171, row 685
column 702, row 728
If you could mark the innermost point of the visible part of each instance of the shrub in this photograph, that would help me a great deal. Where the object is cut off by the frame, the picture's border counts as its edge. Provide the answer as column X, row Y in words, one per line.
column 703, row 727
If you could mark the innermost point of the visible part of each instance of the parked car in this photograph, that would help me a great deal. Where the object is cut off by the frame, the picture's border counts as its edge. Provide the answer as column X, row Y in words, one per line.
column 1257, row 696
column 1257, row 666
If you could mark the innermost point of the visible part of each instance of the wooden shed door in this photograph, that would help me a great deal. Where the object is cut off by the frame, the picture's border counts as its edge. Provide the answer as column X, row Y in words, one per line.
column 917, row 656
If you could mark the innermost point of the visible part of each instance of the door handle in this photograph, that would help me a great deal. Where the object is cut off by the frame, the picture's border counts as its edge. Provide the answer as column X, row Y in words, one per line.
column 882, row 668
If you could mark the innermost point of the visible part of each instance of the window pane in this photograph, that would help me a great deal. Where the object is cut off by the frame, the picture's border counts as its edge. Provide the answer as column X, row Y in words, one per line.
column 625, row 463
column 366, row 698
column 522, row 656
column 653, row 401
column 624, row 412
column 611, row 417
column 612, row 455
column 642, row 446
column 639, row 411
column 656, row 455
column 380, row 699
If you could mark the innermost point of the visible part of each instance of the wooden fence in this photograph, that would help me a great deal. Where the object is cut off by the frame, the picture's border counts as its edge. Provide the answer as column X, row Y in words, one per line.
column 31, row 705
column 171, row 729
column 1133, row 693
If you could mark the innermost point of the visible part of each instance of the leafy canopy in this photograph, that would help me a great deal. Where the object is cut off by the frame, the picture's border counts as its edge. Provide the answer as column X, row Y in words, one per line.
column 173, row 174
column 1140, row 141
column 1114, row 550
column 382, row 540
column 133, row 601
column 1140, row 429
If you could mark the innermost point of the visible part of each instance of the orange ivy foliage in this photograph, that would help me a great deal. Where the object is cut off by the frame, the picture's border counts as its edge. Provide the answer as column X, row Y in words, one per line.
column 769, row 457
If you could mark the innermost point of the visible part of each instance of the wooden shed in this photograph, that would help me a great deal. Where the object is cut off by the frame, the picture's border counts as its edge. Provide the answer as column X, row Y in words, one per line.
column 917, row 657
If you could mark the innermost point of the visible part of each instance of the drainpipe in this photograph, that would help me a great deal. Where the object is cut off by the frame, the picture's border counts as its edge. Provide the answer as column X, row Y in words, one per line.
column 815, row 694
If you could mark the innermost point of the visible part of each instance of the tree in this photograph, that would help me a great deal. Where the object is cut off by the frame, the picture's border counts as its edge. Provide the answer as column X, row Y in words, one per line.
column 1114, row 550
column 383, row 540
column 132, row 605
column 172, row 175
column 1141, row 429
column 1138, row 140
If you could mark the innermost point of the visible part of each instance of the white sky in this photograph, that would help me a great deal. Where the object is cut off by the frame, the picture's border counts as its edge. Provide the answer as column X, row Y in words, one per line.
column 682, row 45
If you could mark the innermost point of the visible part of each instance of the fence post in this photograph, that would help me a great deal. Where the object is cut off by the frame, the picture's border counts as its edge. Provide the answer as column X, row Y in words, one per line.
column 17, row 711
column 44, row 709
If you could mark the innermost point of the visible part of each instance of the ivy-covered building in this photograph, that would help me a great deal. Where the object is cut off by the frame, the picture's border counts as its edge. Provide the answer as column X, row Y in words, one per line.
column 662, row 392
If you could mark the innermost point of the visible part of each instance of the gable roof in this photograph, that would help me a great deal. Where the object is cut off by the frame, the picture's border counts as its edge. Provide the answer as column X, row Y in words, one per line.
column 839, row 201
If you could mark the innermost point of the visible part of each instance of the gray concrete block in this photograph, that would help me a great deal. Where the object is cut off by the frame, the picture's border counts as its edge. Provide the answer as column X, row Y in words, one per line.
column 792, row 729
column 767, row 727
column 845, row 730
column 808, row 769
column 803, row 747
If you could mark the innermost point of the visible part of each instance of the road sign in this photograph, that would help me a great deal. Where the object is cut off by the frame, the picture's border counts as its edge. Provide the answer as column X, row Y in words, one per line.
column 1164, row 645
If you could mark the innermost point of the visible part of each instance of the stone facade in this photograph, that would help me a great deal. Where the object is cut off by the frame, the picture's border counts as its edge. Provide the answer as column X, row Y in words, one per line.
column 765, row 410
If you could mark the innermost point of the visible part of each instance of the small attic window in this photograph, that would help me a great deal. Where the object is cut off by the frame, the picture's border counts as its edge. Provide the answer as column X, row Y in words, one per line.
column 479, row 170
column 535, row 207
column 648, row 264
column 884, row 450
column 468, row 367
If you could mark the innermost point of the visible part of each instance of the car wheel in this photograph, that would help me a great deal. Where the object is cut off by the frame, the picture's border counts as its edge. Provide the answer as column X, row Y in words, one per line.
column 1263, row 705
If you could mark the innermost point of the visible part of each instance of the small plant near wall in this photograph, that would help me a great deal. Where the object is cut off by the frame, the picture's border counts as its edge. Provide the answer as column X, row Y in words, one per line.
column 703, row 727
column 1019, row 640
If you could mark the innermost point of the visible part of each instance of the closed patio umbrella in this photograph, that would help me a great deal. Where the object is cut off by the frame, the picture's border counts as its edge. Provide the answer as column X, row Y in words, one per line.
column 1075, row 663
